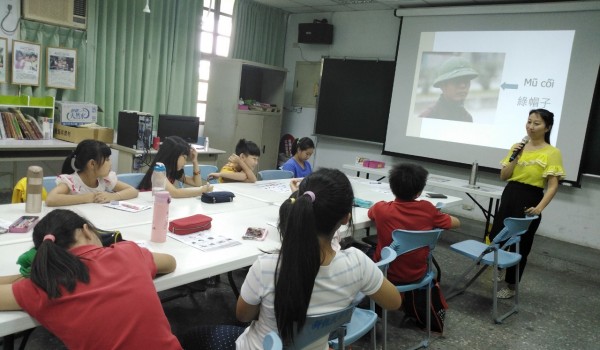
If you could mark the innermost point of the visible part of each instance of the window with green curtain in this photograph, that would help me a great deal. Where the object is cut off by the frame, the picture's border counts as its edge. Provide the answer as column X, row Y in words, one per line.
column 258, row 33
column 143, row 61
column 53, row 36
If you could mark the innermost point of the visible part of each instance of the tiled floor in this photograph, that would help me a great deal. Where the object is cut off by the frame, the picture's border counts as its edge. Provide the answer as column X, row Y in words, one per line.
column 559, row 304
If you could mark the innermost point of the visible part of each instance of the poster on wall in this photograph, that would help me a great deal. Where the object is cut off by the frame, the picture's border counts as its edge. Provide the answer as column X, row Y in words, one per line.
column 26, row 63
column 62, row 68
column 3, row 61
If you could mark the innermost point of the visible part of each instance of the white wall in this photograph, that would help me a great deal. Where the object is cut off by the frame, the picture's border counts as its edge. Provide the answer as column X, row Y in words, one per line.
column 573, row 215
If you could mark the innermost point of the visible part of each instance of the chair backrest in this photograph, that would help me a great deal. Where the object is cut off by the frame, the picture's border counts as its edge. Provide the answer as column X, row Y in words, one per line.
column 275, row 174
column 387, row 256
column 405, row 241
column 132, row 179
column 513, row 228
column 272, row 342
column 205, row 169
column 49, row 182
column 319, row 326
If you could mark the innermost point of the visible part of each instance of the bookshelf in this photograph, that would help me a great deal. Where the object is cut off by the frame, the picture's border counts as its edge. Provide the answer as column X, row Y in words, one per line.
column 35, row 106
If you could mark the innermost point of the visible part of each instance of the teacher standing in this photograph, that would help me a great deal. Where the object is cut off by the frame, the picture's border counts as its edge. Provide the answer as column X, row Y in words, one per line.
column 538, row 165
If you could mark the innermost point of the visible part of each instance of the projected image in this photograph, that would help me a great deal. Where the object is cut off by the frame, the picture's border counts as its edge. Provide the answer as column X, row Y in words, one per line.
column 458, row 86
column 463, row 86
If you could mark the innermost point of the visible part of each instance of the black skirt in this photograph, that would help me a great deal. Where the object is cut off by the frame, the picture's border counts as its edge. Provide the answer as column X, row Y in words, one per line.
column 516, row 197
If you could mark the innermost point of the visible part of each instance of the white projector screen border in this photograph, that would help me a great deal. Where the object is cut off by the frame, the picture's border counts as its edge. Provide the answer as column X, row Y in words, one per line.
column 431, row 31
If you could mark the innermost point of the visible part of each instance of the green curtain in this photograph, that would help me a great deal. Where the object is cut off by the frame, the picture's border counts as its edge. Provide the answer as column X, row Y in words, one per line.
column 53, row 36
column 143, row 61
column 258, row 33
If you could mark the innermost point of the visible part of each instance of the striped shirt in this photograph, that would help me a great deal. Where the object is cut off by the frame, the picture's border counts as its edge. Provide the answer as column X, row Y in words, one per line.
column 336, row 286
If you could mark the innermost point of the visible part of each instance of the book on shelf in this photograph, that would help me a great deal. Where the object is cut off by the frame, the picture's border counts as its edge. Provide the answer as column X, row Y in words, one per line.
column 16, row 125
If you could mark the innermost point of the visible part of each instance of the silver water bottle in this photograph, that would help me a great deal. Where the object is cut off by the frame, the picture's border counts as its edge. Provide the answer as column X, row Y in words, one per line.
column 35, row 177
column 473, row 177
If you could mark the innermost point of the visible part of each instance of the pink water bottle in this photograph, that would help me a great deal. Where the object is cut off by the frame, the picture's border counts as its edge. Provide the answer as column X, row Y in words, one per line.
column 160, row 218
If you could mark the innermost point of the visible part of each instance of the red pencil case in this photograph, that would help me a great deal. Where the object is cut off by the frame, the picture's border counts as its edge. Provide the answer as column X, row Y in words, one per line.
column 190, row 224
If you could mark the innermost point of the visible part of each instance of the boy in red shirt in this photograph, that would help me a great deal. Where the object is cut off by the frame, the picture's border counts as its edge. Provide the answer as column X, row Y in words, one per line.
column 407, row 181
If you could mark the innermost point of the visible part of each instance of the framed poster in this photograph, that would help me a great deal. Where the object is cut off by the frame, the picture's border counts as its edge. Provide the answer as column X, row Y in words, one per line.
column 26, row 63
column 62, row 68
column 3, row 61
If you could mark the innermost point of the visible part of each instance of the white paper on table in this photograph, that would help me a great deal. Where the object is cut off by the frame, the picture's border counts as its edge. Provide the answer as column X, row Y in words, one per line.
column 205, row 240
column 126, row 206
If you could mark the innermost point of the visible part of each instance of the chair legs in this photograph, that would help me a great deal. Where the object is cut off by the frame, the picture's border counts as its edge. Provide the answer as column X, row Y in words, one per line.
column 454, row 290
column 515, row 307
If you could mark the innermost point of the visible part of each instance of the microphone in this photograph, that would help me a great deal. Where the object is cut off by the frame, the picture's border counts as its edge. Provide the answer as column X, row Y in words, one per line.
column 524, row 141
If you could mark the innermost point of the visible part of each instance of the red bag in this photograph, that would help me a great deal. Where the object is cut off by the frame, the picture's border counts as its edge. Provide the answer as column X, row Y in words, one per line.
column 190, row 224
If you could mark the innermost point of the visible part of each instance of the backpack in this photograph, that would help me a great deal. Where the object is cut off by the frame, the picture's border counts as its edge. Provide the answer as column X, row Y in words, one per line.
column 413, row 304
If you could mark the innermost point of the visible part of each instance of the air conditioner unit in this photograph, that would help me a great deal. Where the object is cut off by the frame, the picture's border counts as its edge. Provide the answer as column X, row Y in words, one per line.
column 66, row 13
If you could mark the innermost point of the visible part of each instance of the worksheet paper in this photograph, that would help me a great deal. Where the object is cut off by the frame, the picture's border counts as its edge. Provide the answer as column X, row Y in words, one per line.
column 205, row 240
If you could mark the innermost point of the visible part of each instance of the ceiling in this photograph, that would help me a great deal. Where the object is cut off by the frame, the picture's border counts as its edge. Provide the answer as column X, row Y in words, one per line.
column 314, row 6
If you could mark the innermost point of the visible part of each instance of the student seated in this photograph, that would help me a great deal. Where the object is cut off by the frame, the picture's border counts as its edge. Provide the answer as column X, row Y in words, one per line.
column 407, row 181
column 302, row 149
column 241, row 165
column 307, row 276
column 174, row 152
column 86, row 178
column 89, row 296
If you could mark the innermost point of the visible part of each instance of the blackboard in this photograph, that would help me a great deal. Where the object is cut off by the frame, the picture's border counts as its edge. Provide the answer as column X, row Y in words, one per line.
column 354, row 98
column 590, row 163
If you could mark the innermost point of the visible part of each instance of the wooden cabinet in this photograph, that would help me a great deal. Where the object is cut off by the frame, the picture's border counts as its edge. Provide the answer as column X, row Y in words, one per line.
column 230, row 80
column 306, row 84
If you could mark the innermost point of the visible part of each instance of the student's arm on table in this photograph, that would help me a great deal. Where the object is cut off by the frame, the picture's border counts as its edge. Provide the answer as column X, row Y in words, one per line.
column 123, row 191
column 7, row 297
column 61, row 195
column 165, row 263
column 187, row 192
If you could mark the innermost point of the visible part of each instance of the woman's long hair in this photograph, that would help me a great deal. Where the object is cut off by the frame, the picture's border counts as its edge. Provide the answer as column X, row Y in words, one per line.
column 301, row 223
column 86, row 150
column 54, row 266
column 548, row 118
column 168, row 154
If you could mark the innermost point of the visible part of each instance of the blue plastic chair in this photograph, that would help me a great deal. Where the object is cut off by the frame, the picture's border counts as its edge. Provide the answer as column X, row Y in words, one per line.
column 319, row 326
column 205, row 169
column 496, row 256
column 404, row 241
column 272, row 342
column 132, row 179
column 274, row 174
column 49, row 182
column 364, row 320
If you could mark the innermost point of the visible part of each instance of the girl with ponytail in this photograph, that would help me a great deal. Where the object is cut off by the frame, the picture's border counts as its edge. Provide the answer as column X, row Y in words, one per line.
column 302, row 149
column 76, row 285
column 307, row 276
column 87, row 178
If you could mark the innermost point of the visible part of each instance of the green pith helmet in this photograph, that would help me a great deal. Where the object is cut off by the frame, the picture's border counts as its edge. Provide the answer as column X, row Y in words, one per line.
column 455, row 67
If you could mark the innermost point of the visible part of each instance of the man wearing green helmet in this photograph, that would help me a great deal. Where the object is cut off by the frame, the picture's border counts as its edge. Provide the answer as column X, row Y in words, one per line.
column 454, row 79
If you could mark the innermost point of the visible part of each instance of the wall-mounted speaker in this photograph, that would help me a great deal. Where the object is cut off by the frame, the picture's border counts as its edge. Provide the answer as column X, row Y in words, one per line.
column 315, row 33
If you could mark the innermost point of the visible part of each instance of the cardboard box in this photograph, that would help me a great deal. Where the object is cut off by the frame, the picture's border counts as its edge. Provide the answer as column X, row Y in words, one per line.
column 76, row 113
column 76, row 135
